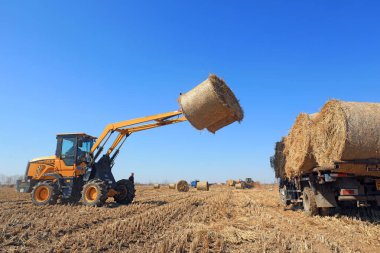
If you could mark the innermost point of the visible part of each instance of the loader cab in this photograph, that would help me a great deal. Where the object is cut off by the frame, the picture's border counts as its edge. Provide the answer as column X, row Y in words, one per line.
column 74, row 148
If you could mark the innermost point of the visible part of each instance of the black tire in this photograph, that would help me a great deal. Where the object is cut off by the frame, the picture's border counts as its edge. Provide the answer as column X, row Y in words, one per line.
column 283, row 196
column 94, row 193
column 309, row 202
column 45, row 193
column 126, row 191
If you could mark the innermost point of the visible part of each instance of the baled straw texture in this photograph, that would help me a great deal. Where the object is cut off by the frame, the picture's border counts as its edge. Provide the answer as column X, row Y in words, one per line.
column 347, row 131
column 156, row 186
column 203, row 186
column 240, row 185
column 211, row 105
column 231, row 182
column 171, row 186
column 182, row 186
column 279, row 159
column 298, row 148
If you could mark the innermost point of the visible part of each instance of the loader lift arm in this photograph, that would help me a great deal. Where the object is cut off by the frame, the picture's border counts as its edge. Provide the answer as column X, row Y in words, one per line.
column 127, row 127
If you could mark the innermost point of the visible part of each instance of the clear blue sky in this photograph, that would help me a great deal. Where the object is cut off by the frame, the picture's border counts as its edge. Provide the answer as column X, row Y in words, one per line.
column 68, row 66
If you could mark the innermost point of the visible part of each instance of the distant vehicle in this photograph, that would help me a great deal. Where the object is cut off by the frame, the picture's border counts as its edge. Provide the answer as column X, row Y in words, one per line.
column 194, row 183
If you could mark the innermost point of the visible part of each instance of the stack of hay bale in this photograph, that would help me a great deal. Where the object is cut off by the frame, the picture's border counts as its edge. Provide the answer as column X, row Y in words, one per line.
column 341, row 131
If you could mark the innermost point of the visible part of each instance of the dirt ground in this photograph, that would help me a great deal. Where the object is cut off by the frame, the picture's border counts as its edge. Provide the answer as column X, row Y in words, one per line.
column 162, row 220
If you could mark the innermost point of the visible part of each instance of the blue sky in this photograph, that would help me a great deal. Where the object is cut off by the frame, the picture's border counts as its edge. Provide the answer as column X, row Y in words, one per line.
column 68, row 66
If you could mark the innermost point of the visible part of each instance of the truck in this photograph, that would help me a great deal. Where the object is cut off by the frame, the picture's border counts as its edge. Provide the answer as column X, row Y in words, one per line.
column 347, row 184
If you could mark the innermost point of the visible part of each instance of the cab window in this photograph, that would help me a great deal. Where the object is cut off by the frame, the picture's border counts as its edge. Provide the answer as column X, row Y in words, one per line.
column 68, row 149
column 84, row 148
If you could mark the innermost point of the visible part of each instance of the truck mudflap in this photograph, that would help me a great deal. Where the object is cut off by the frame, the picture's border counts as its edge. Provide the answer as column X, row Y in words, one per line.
column 325, row 199
column 24, row 186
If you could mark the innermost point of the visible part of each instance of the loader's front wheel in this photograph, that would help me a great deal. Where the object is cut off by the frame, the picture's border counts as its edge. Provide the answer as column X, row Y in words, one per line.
column 45, row 193
column 126, row 192
column 94, row 193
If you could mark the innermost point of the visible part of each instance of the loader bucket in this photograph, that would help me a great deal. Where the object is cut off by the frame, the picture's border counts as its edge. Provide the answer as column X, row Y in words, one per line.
column 211, row 105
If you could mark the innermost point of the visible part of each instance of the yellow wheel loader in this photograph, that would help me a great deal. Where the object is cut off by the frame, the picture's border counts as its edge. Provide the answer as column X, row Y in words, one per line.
column 81, row 168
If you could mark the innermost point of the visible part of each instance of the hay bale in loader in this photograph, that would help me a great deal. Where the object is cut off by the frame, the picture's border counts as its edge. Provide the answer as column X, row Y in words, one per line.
column 203, row 186
column 182, row 186
column 211, row 105
column 171, row 186
column 156, row 186
column 346, row 131
column 297, row 146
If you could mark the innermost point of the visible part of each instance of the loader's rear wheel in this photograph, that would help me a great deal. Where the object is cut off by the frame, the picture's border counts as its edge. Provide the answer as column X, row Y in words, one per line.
column 126, row 192
column 94, row 193
column 45, row 193
column 309, row 203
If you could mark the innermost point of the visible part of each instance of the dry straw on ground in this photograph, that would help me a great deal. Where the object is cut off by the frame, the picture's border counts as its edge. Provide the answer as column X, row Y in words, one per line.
column 298, row 148
column 221, row 220
column 211, row 105
column 182, row 186
column 203, row 186
column 347, row 131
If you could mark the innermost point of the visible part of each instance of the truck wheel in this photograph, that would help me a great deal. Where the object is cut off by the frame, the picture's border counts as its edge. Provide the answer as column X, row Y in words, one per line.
column 309, row 203
column 283, row 192
column 94, row 193
column 126, row 191
column 45, row 193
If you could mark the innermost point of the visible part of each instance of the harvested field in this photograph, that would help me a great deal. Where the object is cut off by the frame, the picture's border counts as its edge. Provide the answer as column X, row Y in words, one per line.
column 162, row 220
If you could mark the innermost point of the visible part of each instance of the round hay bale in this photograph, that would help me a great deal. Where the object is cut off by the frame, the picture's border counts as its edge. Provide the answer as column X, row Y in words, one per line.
column 203, row 186
column 182, row 186
column 240, row 185
column 156, row 186
column 230, row 182
column 278, row 160
column 347, row 131
column 171, row 186
column 297, row 146
column 211, row 105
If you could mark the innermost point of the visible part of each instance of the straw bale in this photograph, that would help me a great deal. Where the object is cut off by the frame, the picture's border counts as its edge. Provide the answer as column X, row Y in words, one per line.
column 279, row 159
column 203, row 186
column 230, row 182
column 297, row 146
column 182, row 186
column 240, row 185
column 171, row 186
column 347, row 131
column 156, row 186
column 211, row 105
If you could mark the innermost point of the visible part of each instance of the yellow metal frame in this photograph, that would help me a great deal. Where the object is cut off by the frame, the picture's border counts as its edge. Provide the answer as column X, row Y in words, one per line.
column 127, row 127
